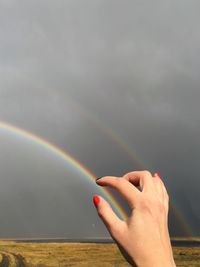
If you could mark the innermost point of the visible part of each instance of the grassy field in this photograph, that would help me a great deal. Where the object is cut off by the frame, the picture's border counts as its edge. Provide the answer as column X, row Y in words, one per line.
column 14, row 254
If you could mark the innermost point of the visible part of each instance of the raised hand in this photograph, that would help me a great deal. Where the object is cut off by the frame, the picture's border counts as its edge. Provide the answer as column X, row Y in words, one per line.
column 143, row 238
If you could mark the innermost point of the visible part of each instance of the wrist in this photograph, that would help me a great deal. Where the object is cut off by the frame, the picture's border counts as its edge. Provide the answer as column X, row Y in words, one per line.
column 157, row 262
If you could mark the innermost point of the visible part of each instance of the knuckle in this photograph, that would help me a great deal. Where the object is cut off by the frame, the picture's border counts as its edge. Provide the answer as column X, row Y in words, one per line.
column 147, row 173
column 126, row 176
column 129, row 173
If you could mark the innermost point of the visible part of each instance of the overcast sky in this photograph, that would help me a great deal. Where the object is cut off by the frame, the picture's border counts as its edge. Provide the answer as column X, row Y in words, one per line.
column 116, row 84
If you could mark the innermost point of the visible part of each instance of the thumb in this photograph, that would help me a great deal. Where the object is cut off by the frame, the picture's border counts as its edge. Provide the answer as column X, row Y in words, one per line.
column 115, row 226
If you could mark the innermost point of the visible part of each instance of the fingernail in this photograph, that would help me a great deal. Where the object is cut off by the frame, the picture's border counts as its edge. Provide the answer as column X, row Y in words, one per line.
column 98, row 178
column 96, row 200
column 158, row 174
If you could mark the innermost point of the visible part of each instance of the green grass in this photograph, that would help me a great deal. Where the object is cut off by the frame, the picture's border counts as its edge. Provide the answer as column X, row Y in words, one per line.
column 13, row 254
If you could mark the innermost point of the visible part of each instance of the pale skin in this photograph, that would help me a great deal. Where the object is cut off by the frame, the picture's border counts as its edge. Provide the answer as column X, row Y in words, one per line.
column 143, row 238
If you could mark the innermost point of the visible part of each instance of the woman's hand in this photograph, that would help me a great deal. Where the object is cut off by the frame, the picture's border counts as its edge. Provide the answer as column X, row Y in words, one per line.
column 143, row 238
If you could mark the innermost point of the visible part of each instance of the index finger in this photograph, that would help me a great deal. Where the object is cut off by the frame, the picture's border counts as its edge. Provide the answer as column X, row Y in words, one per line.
column 124, row 187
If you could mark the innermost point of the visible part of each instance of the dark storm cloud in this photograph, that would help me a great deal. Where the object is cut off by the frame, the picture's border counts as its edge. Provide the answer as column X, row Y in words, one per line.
column 76, row 72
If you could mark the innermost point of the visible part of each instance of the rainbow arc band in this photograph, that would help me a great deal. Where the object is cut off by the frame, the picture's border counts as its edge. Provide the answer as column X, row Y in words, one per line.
column 184, row 225
column 66, row 157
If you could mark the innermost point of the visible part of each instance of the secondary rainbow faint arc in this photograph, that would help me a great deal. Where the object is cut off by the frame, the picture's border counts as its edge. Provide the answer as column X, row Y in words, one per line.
column 64, row 155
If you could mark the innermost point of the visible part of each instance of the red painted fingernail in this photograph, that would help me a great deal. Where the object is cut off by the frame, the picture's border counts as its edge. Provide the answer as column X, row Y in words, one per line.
column 96, row 200
column 157, row 174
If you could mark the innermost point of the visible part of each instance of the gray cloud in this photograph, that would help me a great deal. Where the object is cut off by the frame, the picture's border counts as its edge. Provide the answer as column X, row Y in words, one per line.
column 102, row 80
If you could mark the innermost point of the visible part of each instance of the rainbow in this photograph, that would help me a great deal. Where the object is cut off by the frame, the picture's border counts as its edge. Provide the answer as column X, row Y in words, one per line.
column 110, row 133
column 178, row 216
column 114, row 136
column 66, row 157
column 119, row 140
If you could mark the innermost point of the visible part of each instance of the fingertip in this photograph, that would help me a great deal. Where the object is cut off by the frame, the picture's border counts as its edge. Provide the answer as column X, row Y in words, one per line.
column 96, row 200
column 98, row 178
column 157, row 174
column 102, row 180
